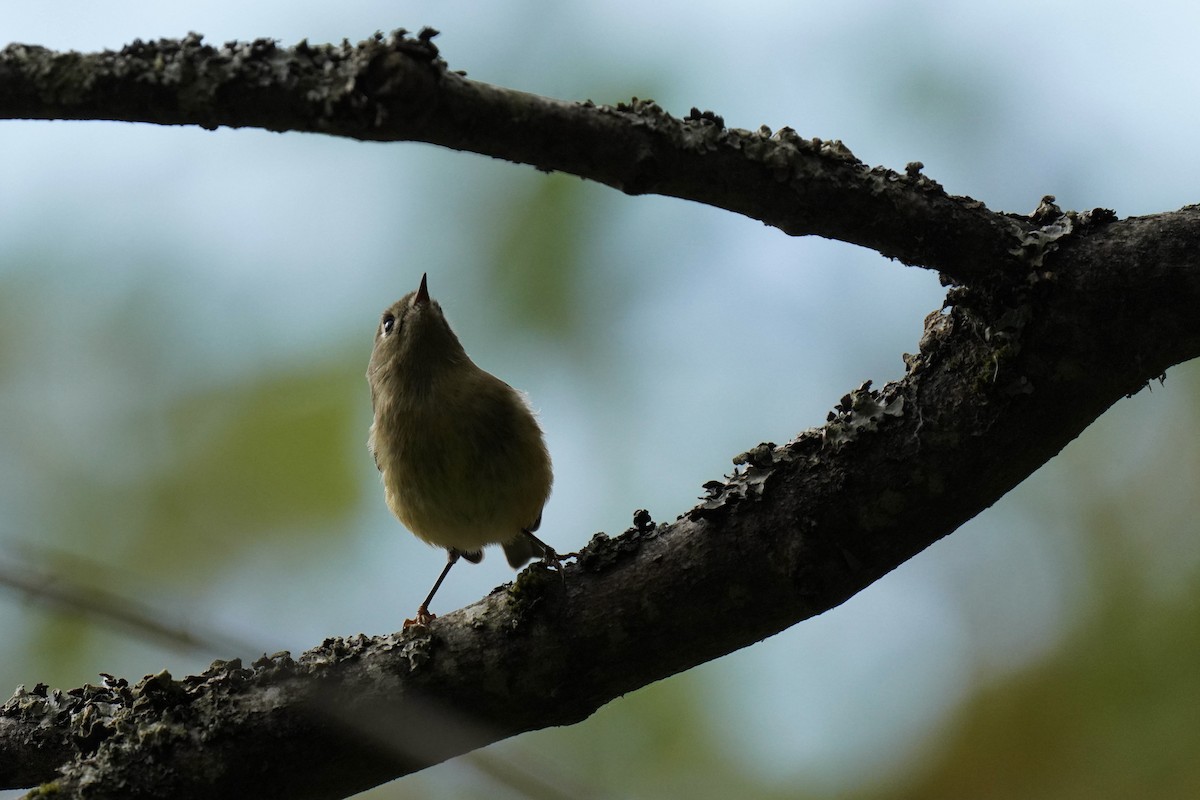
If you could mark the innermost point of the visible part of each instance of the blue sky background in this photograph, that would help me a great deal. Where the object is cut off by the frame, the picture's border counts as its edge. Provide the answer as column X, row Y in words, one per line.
column 155, row 282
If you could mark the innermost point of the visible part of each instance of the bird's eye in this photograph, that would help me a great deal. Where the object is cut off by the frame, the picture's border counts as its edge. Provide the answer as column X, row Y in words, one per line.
column 389, row 322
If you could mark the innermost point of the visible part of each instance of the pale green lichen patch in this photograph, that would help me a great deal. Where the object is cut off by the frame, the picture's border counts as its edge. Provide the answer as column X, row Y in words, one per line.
column 1033, row 246
column 50, row 789
column 861, row 411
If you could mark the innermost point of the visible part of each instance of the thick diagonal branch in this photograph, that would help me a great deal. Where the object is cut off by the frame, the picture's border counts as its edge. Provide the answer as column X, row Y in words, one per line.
column 1005, row 378
column 397, row 88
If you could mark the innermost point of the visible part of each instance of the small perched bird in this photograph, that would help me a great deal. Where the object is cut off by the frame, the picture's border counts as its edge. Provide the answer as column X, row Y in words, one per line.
column 463, row 461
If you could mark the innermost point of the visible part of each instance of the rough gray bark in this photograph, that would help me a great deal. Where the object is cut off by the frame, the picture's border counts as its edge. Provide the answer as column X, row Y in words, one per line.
column 1052, row 318
column 398, row 89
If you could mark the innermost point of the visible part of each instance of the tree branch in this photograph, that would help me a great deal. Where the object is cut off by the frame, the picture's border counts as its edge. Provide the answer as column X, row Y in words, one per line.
column 399, row 89
column 1061, row 315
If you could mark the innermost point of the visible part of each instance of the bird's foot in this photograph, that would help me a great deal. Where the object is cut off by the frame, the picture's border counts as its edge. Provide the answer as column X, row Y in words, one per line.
column 550, row 557
column 554, row 559
column 423, row 618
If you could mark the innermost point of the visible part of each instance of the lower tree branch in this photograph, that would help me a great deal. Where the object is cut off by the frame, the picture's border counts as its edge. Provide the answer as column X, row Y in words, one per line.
column 1004, row 379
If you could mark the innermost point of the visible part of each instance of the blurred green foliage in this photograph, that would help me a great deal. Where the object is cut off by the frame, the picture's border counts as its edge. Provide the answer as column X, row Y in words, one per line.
column 540, row 241
column 271, row 455
column 1114, row 712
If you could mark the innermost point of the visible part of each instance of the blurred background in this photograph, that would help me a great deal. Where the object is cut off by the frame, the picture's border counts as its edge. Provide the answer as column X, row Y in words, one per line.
column 186, row 317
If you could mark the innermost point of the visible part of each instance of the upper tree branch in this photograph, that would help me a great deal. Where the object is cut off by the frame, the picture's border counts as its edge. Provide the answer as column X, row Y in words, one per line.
column 397, row 88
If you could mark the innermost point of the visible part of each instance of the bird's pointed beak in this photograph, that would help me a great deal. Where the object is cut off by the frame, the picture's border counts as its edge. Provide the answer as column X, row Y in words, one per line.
column 423, row 292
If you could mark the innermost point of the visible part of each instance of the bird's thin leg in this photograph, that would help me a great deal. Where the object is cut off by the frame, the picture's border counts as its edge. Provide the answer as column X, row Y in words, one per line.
column 423, row 616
